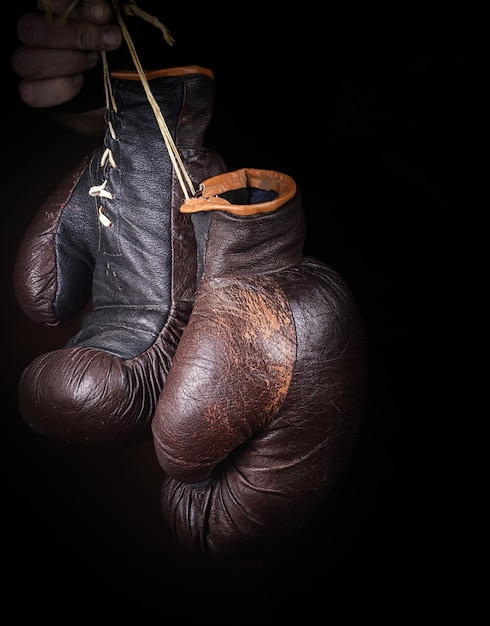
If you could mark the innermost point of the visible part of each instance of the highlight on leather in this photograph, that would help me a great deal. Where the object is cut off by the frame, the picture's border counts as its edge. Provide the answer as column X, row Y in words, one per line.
column 111, row 244
column 265, row 394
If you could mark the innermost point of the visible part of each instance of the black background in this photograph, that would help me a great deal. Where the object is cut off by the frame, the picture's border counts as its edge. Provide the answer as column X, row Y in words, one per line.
column 381, row 116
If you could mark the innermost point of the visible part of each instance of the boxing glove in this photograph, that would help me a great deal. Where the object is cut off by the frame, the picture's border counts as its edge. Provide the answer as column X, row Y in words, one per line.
column 112, row 246
column 265, row 393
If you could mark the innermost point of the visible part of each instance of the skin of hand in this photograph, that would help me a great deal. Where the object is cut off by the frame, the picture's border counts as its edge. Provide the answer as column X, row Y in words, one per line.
column 56, row 52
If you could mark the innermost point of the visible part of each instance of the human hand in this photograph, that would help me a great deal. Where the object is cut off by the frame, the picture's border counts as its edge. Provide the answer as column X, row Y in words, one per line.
column 56, row 53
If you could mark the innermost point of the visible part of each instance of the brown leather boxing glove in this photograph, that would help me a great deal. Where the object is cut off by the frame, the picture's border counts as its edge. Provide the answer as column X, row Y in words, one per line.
column 264, row 397
column 112, row 235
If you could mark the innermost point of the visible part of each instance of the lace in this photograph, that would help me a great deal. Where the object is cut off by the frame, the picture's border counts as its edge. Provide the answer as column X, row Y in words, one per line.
column 131, row 8
column 183, row 177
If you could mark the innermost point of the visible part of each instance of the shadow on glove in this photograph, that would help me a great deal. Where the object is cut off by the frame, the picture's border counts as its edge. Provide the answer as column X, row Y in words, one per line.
column 265, row 394
column 112, row 235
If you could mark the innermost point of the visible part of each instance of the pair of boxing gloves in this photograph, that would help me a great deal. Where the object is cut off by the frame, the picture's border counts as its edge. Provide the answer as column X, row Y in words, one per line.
column 203, row 325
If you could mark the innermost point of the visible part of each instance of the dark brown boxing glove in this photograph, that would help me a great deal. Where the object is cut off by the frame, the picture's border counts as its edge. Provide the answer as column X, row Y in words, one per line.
column 264, row 397
column 112, row 235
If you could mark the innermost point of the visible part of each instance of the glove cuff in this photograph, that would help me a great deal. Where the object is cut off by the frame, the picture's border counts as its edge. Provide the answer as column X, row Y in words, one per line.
column 256, row 222
column 243, row 192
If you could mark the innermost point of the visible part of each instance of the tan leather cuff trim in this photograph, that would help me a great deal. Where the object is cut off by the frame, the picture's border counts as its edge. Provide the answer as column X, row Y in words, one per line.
column 184, row 70
column 267, row 180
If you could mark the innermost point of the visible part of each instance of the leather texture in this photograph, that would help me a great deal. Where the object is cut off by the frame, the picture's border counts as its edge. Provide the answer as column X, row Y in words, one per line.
column 266, row 391
column 125, row 253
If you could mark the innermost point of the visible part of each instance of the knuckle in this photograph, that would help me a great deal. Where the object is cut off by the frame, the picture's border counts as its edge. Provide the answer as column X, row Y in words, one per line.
column 98, row 11
column 87, row 37
column 69, row 88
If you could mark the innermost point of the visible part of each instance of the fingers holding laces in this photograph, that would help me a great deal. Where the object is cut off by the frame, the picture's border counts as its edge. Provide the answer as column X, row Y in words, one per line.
column 55, row 53
column 97, row 11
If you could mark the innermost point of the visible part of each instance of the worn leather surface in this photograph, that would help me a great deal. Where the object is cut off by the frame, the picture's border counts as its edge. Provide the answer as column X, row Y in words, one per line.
column 266, row 391
column 136, row 277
